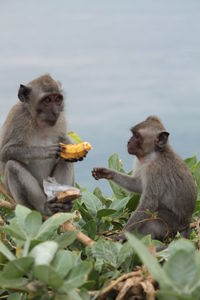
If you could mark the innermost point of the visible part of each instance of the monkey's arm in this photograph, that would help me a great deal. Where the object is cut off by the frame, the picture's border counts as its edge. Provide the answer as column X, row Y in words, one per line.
column 24, row 152
column 133, row 184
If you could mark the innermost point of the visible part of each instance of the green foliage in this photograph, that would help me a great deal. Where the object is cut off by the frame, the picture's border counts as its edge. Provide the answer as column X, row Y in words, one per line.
column 179, row 277
column 40, row 262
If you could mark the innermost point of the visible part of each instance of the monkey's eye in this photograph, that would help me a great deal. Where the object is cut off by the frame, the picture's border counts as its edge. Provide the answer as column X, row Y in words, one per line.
column 58, row 100
column 46, row 100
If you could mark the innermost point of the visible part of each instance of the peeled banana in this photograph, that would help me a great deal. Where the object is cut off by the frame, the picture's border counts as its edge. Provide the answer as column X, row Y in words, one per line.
column 75, row 151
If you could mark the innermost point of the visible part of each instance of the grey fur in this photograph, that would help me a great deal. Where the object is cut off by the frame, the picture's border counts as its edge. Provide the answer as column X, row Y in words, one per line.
column 28, row 151
column 168, row 193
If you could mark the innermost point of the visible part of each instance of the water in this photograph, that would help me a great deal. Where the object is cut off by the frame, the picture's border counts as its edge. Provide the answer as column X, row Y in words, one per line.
column 118, row 61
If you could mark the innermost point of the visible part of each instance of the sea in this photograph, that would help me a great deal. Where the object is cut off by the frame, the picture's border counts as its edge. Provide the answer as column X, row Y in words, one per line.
column 118, row 62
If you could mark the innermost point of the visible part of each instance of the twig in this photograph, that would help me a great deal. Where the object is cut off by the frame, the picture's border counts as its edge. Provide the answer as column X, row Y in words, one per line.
column 115, row 282
column 3, row 191
column 84, row 239
column 6, row 204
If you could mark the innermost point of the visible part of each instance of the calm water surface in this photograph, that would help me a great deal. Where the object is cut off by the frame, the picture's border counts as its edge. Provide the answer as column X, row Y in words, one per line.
column 118, row 61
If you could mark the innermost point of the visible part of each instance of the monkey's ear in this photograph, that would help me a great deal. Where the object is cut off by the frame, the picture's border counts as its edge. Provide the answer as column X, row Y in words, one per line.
column 161, row 140
column 23, row 93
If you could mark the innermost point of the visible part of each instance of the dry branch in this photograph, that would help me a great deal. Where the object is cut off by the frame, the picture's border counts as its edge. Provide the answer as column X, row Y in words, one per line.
column 84, row 239
column 4, row 192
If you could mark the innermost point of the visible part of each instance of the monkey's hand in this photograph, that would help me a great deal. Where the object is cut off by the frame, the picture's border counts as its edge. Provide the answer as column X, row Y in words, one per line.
column 99, row 173
column 52, row 151
column 55, row 207
column 76, row 159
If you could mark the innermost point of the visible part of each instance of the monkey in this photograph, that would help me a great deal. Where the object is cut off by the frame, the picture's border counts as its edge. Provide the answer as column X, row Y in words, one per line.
column 167, row 188
column 29, row 145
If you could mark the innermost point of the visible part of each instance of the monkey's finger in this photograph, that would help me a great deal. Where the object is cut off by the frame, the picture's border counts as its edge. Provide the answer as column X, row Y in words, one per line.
column 94, row 174
column 120, row 237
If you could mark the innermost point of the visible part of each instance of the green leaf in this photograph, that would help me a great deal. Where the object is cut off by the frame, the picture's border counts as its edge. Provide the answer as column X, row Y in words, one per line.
column 12, row 283
column 17, row 268
column 114, row 163
column 21, row 212
column 66, row 238
column 44, row 252
column 15, row 230
column 77, row 276
column 119, row 204
column 48, row 275
column 150, row 261
column 197, row 174
column 33, row 222
column 6, row 252
column 117, row 190
column 105, row 212
column 14, row 296
column 125, row 252
column 106, row 251
column 92, row 203
column 91, row 228
column 74, row 136
column 64, row 261
column 50, row 225
column 182, row 270
column 191, row 161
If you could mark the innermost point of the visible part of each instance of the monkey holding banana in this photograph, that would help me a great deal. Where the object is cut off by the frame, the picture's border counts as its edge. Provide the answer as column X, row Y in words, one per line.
column 30, row 145
column 168, row 191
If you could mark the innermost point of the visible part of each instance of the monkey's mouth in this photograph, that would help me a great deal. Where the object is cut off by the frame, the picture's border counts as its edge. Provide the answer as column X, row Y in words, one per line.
column 51, row 122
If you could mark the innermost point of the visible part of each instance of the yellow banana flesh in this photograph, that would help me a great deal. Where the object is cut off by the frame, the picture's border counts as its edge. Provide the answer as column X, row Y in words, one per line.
column 74, row 151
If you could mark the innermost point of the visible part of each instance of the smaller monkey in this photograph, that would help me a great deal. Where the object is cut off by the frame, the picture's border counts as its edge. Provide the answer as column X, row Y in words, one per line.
column 168, row 190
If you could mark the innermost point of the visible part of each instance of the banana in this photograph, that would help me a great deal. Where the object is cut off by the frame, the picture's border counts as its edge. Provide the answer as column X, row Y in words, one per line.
column 74, row 151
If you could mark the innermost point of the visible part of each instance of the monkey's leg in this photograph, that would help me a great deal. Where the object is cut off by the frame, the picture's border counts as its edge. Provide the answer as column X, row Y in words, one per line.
column 23, row 187
column 64, row 172
column 156, row 228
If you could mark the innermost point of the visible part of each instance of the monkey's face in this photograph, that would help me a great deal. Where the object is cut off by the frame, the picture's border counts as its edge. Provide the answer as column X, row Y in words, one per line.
column 49, row 109
column 134, row 145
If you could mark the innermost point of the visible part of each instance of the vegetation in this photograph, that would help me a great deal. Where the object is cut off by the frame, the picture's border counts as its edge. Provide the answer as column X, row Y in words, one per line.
column 40, row 261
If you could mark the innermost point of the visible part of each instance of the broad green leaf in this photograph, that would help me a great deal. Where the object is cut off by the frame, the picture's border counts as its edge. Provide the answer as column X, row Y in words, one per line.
column 21, row 212
column 91, row 228
column 105, row 212
column 70, row 295
column 77, row 276
column 150, row 261
column 117, row 190
column 181, row 268
column 114, row 162
column 17, row 268
column 14, row 296
column 106, row 251
column 64, row 261
column 33, row 222
column 44, row 252
column 191, row 161
column 74, row 136
column 92, row 203
column 48, row 275
column 50, row 225
column 15, row 230
column 119, row 204
column 125, row 252
column 6, row 252
column 197, row 174
column 12, row 283
column 66, row 239
column 97, row 192
column 84, row 212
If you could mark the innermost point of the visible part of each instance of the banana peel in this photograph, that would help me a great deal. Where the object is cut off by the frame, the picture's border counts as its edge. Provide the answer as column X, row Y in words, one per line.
column 74, row 151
